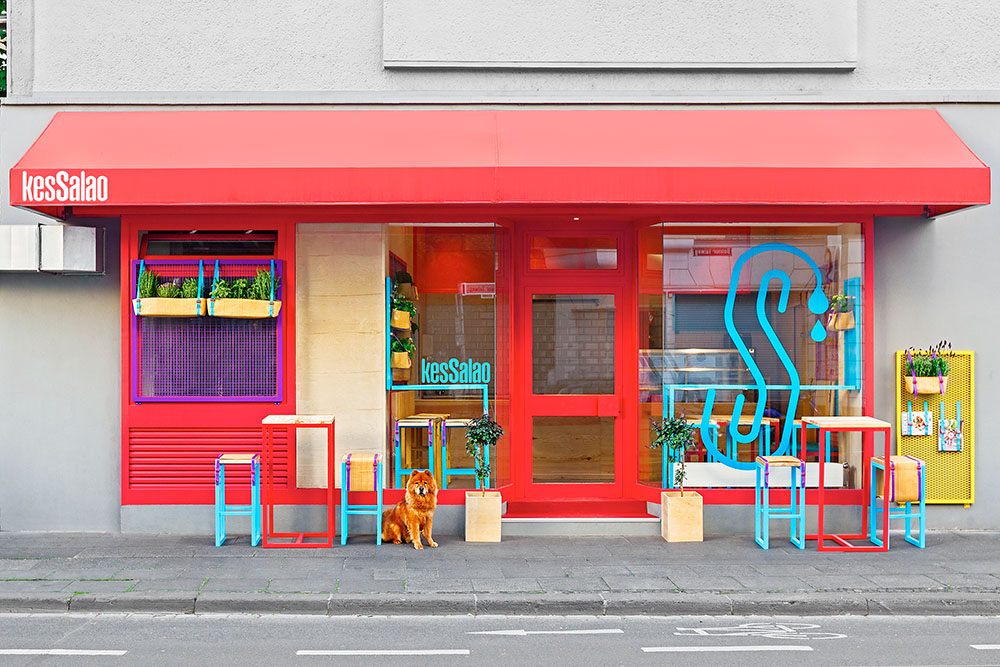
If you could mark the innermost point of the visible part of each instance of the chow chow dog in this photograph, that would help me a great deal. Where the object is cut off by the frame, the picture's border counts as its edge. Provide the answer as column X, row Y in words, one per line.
column 414, row 513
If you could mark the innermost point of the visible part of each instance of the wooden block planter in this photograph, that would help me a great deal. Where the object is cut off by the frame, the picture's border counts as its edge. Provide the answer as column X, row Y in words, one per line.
column 482, row 516
column 927, row 385
column 681, row 518
column 243, row 308
column 400, row 319
column 168, row 307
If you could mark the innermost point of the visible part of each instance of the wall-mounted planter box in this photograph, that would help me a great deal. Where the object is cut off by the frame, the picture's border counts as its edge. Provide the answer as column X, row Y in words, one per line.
column 400, row 360
column 681, row 516
column 400, row 320
column 243, row 308
column 162, row 307
column 482, row 516
column 840, row 322
column 927, row 385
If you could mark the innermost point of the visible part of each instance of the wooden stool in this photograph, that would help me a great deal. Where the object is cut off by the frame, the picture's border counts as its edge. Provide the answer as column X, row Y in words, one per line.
column 361, row 472
column 907, row 480
column 222, row 510
column 429, row 422
column 795, row 512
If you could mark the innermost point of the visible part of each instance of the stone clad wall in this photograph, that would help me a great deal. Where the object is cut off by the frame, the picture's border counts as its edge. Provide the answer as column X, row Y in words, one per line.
column 340, row 340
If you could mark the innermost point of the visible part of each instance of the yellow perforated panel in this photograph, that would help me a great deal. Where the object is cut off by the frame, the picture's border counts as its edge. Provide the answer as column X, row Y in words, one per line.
column 950, row 475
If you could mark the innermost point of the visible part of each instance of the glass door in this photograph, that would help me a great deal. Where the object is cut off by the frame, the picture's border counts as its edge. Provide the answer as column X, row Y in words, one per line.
column 570, row 326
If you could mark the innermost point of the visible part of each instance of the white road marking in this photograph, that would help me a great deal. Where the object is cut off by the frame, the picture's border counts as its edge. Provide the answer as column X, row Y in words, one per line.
column 429, row 651
column 986, row 647
column 721, row 649
column 57, row 651
column 525, row 633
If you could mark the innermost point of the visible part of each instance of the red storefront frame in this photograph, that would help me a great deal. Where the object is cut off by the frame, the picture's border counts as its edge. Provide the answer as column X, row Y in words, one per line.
column 169, row 169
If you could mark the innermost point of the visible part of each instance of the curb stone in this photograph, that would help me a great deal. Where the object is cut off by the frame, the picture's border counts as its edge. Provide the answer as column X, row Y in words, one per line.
column 34, row 602
column 597, row 604
column 666, row 604
column 501, row 604
column 166, row 602
column 262, row 603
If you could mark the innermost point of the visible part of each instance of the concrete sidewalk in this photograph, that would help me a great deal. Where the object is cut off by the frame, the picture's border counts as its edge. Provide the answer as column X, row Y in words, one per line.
column 958, row 573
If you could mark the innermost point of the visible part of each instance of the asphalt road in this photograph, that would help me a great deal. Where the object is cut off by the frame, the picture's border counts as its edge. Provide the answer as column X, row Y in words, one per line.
column 147, row 639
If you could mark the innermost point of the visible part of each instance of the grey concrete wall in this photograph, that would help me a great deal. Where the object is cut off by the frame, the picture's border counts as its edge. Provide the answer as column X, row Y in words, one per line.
column 610, row 34
column 60, row 403
column 936, row 279
column 134, row 51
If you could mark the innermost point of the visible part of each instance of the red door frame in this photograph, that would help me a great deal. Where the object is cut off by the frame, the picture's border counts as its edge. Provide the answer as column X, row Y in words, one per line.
column 619, row 282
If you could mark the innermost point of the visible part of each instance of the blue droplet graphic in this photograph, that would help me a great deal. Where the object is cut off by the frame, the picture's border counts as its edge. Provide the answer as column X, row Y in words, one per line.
column 818, row 303
column 818, row 332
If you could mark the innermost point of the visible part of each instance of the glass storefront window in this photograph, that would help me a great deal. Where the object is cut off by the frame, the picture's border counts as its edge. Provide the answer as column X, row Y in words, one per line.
column 573, row 343
column 455, row 334
column 729, row 311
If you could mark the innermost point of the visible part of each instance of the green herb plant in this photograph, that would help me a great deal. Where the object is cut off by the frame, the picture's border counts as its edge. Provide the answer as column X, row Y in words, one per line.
column 675, row 437
column 840, row 303
column 482, row 434
column 189, row 289
column 932, row 362
column 168, row 291
column 260, row 288
column 221, row 290
column 147, row 284
column 239, row 289
column 404, row 345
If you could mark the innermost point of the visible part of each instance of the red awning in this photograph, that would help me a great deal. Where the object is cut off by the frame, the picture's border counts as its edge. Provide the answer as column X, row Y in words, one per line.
column 876, row 160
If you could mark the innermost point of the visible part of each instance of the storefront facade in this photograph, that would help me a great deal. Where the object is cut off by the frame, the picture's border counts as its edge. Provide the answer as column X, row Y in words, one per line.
column 593, row 268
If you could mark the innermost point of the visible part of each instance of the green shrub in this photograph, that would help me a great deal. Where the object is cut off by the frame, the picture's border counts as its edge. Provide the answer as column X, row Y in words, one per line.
column 168, row 291
column 147, row 284
column 189, row 288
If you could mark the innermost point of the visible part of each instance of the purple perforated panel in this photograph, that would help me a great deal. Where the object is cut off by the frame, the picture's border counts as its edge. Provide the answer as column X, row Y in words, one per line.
column 206, row 358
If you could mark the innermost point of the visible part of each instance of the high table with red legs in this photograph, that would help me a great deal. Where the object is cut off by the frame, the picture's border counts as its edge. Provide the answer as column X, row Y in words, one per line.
column 867, row 426
column 295, row 540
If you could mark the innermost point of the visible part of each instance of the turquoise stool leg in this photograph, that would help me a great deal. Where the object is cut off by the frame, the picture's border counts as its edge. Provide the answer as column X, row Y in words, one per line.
column 920, row 516
column 220, row 502
column 758, row 522
column 872, row 508
column 343, row 502
column 399, row 456
column 797, row 495
column 378, row 502
column 256, row 513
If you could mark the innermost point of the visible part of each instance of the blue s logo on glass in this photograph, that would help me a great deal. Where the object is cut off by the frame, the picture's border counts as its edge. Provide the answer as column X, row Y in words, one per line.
column 817, row 303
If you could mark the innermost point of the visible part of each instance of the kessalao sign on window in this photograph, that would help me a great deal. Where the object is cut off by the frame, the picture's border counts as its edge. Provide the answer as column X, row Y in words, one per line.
column 454, row 371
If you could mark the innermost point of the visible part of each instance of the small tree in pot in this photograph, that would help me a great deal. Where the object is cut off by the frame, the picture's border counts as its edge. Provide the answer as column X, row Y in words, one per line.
column 482, row 511
column 681, row 516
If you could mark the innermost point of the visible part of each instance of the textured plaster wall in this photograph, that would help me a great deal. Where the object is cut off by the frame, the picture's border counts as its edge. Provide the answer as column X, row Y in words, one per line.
column 937, row 279
column 340, row 340
column 60, row 404
column 302, row 45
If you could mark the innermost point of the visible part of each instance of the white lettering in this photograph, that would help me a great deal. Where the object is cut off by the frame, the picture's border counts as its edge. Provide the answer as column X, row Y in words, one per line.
column 64, row 187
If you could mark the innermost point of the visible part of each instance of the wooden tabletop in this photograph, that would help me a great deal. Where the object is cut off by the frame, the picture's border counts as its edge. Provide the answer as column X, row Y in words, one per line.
column 297, row 419
column 744, row 420
column 237, row 458
column 834, row 423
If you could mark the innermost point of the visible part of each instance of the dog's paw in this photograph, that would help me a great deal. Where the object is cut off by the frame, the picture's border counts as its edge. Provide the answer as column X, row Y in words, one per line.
column 397, row 541
column 418, row 545
column 433, row 544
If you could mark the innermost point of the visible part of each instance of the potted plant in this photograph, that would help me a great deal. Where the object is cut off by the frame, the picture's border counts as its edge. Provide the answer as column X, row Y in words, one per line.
column 482, row 508
column 927, row 370
column 403, row 312
column 405, row 286
column 402, row 350
column 841, row 313
column 681, row 513
column 174, row 298
column 244, row 297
